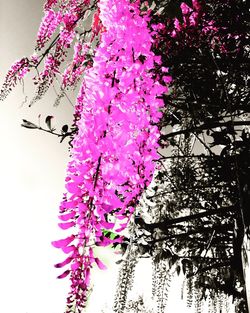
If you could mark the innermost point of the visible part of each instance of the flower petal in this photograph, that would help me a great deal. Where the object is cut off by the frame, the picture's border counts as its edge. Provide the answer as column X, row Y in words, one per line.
column 100, row 264
column 68, row 249
column 68, row 216
column 66, row 225
column 65, row 262
column 63, row 242
column 64, row 274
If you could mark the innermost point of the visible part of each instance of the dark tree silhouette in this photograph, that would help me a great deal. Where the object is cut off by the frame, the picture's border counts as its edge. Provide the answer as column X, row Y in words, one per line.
column 202, row 188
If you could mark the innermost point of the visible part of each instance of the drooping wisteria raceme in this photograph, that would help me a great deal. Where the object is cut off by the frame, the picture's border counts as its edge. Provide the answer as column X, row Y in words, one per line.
column 116, row 115
column 113, row 152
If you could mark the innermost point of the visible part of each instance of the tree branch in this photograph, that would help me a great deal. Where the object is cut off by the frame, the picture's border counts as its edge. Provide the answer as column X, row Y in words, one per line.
column 163, row 225
column 205, row 126
column 199, row 230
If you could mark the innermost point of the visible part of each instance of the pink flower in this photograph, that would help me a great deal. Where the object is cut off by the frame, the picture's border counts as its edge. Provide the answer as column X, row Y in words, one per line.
column 47, row 28
column 17, row 71
column 49, row 4
column 100, row 264
column 111, row 159
column 63, row 242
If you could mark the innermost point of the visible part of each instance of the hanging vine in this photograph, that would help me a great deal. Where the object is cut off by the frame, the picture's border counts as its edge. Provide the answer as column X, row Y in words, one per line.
column 125, row 279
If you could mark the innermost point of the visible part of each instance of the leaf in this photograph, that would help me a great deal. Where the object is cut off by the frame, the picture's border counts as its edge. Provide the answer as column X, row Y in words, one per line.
column 28, row 124
column 65, row 128
column 178, row 269
column 220, row 138
column 48, row 121
column 63, row 137
column 113, row 236
column 109, row 234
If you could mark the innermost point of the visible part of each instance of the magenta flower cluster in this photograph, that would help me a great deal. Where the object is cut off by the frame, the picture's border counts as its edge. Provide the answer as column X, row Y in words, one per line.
column 113, row 151
column 50, row 22
column 15, row 73
column 49, row 4
column 76, row 68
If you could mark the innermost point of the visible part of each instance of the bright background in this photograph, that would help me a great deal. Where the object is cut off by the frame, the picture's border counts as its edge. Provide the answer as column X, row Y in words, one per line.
column 32, row 170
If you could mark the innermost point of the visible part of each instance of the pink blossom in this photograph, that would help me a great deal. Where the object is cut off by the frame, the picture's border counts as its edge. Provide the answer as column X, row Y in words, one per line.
column 65, row 262
column 64, row 274
column 113, row 151
column 49, row 4
column 17, row 71
column 66, row 225
column 68, row 216
column 100, row 264
column 63, row 242
column 47, row 28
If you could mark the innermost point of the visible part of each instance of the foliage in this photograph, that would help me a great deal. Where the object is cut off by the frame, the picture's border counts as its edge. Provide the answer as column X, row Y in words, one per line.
column 202, row 187
column 137, row 306
column 125, row 279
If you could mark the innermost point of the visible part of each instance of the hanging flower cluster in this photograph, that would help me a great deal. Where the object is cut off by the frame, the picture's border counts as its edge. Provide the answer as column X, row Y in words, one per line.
column 76, row 68
column 116, row 115
column 67, row 16
column 196, row 25
column 16, row 72
column 58, row 30
column 190, row 16
column 113, row 152
column 47, row 28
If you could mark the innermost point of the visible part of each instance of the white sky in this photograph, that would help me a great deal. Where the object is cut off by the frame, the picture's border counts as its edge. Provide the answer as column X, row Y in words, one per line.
column 32, row 171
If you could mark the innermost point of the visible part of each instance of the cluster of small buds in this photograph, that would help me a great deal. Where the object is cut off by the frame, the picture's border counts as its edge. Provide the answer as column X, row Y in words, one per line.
column 50, row 22
column 191, row 17
column 57, row 32
column 17, row 71
column 74, row 71
column 46, row 77
column 49, row 4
